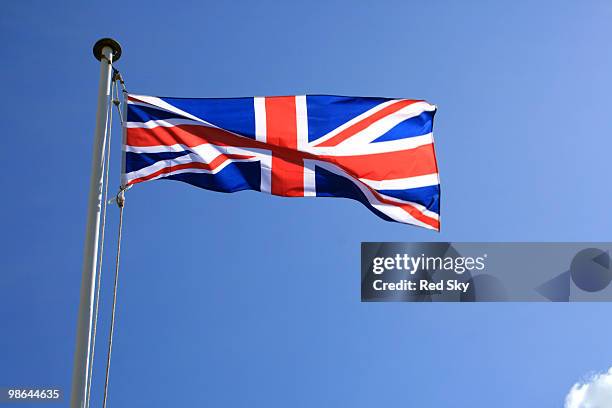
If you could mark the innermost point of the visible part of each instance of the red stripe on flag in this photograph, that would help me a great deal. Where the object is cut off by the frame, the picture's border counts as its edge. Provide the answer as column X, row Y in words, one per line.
column 281, row 130
column 362, row 124
column 188, row 135
column 392, row 165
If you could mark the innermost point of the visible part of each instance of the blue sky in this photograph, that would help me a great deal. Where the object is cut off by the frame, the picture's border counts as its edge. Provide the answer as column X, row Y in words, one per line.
column 251, row 300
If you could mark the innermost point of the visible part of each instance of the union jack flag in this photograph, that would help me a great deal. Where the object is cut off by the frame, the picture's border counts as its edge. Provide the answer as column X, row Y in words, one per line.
column 378, row 151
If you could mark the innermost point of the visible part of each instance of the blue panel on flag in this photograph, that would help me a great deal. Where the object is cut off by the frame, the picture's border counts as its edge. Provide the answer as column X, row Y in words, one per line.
column 234, row 114
column 234, row 177
column 329, row 184
column 326, row 113
column 140, row 113
column 428, row 197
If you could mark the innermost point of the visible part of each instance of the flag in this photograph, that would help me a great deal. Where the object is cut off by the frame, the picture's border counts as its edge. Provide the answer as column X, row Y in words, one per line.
column 378, row 151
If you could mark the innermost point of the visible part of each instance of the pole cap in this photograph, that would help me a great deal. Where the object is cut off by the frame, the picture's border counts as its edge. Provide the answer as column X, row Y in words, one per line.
column 107, row 42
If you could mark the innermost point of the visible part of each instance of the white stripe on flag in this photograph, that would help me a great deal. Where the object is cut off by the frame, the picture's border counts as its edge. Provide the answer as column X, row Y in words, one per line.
column 310, row 188
column 403, row 184
column 260, row 118
column 259, row 104
column 301, row 117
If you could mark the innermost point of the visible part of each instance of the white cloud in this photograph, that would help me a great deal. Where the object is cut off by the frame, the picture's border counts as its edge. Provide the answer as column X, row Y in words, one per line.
column 596, row 392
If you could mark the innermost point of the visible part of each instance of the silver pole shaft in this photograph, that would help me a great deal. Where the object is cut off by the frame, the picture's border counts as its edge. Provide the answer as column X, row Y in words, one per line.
column 90, row 257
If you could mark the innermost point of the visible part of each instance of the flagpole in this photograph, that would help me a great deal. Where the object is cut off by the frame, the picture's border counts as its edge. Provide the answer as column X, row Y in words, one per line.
column 105, row 50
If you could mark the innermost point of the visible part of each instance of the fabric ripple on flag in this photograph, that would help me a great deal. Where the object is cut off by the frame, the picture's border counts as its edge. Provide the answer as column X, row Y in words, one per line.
column 378, row 151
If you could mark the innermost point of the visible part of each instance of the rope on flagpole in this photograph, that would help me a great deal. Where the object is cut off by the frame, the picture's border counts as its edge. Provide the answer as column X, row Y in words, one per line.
column 120, row 199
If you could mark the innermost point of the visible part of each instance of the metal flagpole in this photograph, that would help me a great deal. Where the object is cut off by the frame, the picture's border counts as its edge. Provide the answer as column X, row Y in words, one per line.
column 106, row 51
